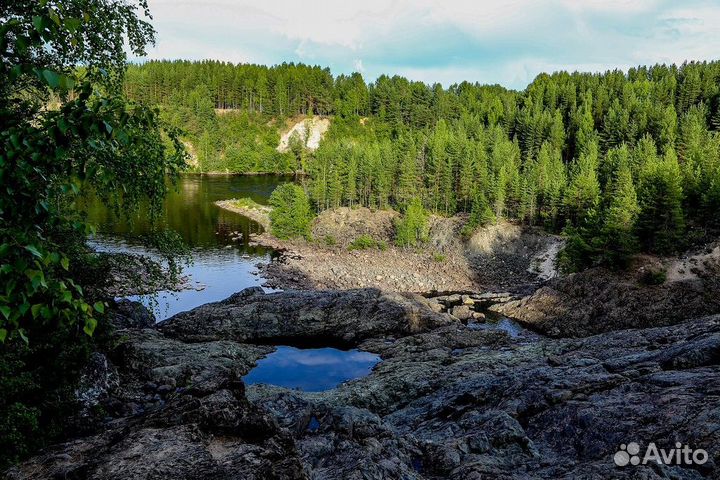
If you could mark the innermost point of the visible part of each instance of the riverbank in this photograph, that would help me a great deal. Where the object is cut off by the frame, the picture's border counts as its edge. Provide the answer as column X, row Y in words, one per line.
column 498, row 257
column 131, row 274
column 248, row 208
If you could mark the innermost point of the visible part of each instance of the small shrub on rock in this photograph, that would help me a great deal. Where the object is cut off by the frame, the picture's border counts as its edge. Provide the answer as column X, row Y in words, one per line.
column 363, row 242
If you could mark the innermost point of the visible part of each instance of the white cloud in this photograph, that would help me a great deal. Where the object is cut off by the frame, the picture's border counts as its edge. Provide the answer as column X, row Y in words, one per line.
column 447, row 41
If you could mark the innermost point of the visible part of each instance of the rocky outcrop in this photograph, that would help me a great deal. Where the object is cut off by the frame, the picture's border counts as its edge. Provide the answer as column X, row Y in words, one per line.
column 502, row 256
column 447, row 401
column 598, row 300
column 459, row 404
column 306, row 318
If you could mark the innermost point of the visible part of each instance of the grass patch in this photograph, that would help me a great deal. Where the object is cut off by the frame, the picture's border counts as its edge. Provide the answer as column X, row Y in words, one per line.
column 248, row 203
column 365, row 242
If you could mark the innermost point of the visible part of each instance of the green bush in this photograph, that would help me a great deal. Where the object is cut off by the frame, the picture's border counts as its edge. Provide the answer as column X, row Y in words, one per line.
column 363, row 242
column 653, row 277
column 412, row 228
column 291, row 216
column 330, row 241
column 37, row 388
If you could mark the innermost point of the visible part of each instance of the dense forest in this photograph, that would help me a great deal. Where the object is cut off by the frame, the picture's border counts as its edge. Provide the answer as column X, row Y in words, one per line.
column 621, row 161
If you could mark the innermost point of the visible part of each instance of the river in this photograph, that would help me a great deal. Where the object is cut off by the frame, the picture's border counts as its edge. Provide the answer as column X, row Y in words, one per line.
column 221, row 265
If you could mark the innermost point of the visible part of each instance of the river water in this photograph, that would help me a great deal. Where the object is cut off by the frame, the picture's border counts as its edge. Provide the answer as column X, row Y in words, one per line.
column 221, row 265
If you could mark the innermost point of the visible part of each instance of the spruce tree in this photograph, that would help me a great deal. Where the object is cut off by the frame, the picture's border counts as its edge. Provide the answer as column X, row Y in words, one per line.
column 661, row 222
column 618, row 233
column 583, row 193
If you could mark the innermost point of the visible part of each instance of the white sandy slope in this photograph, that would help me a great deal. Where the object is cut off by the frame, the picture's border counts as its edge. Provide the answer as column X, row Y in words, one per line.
column 310, row 130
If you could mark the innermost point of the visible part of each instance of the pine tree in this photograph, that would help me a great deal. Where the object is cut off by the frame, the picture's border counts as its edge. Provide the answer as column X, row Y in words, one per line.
column 412, row 228
column 661, row 222
column 583, row 193
column 480, row 214
column 618, row 231
column 407, row 184
column 291, row 216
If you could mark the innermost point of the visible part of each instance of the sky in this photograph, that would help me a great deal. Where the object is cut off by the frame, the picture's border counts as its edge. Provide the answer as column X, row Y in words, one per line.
column 488, row 41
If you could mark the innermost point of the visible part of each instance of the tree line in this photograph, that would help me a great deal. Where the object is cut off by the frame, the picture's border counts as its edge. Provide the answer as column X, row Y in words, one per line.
column 621, row 161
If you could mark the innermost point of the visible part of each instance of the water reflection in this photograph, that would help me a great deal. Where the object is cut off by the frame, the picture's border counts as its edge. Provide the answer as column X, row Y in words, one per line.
column 313, row 369
column 222, row 264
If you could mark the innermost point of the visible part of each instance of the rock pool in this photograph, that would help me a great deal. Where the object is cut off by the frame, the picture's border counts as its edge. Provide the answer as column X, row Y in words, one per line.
column 311, row 369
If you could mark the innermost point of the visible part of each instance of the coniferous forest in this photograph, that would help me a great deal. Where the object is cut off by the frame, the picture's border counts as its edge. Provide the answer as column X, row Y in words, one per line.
column 622, row 162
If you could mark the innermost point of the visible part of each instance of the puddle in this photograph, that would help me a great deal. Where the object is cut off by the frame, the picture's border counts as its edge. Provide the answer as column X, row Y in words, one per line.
column 311, row 369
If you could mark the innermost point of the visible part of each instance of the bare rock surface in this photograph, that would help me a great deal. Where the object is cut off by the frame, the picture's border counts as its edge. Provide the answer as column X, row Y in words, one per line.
column 297, row 317
column 447, row 401
column 598, row 300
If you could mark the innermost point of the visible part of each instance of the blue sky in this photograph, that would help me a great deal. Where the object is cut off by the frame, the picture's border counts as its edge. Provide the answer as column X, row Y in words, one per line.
column 488, row 41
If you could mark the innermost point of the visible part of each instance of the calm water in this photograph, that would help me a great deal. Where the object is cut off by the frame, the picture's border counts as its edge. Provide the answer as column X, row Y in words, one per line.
column 312, row 369
column 221, row 264
column 498, row 322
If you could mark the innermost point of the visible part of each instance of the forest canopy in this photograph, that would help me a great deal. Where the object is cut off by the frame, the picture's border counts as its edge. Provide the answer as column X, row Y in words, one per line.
column 621, row 161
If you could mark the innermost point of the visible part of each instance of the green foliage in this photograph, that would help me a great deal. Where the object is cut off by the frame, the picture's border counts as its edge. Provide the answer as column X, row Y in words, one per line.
column 64, row 128
column 330, row 241
column 439, row 257
column 37, row 395
column 412, row 228
column 291, row 216
column 363, row 242
column 661, row 223
column 480, row 215
column 547, row 155
column 94, row 138
column 618, row 231
column 653, row 276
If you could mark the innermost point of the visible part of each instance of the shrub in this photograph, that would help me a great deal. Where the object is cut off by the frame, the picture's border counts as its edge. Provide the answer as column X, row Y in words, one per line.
column 439, row 257
column 363, row 242
column 330, row 241
column 291, row 216
column 412, row 228
column 653, row 277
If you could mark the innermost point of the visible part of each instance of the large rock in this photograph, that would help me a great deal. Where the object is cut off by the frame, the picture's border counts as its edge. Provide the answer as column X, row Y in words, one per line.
column 598, row 300
column 195, row 436
column 172, row 410
column 306, row 318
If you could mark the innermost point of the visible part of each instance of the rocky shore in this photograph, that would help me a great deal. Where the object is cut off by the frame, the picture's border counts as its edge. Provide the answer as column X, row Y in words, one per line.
column 447, row 401
column 499, row 257
column 257, row 213
column 598, row 300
